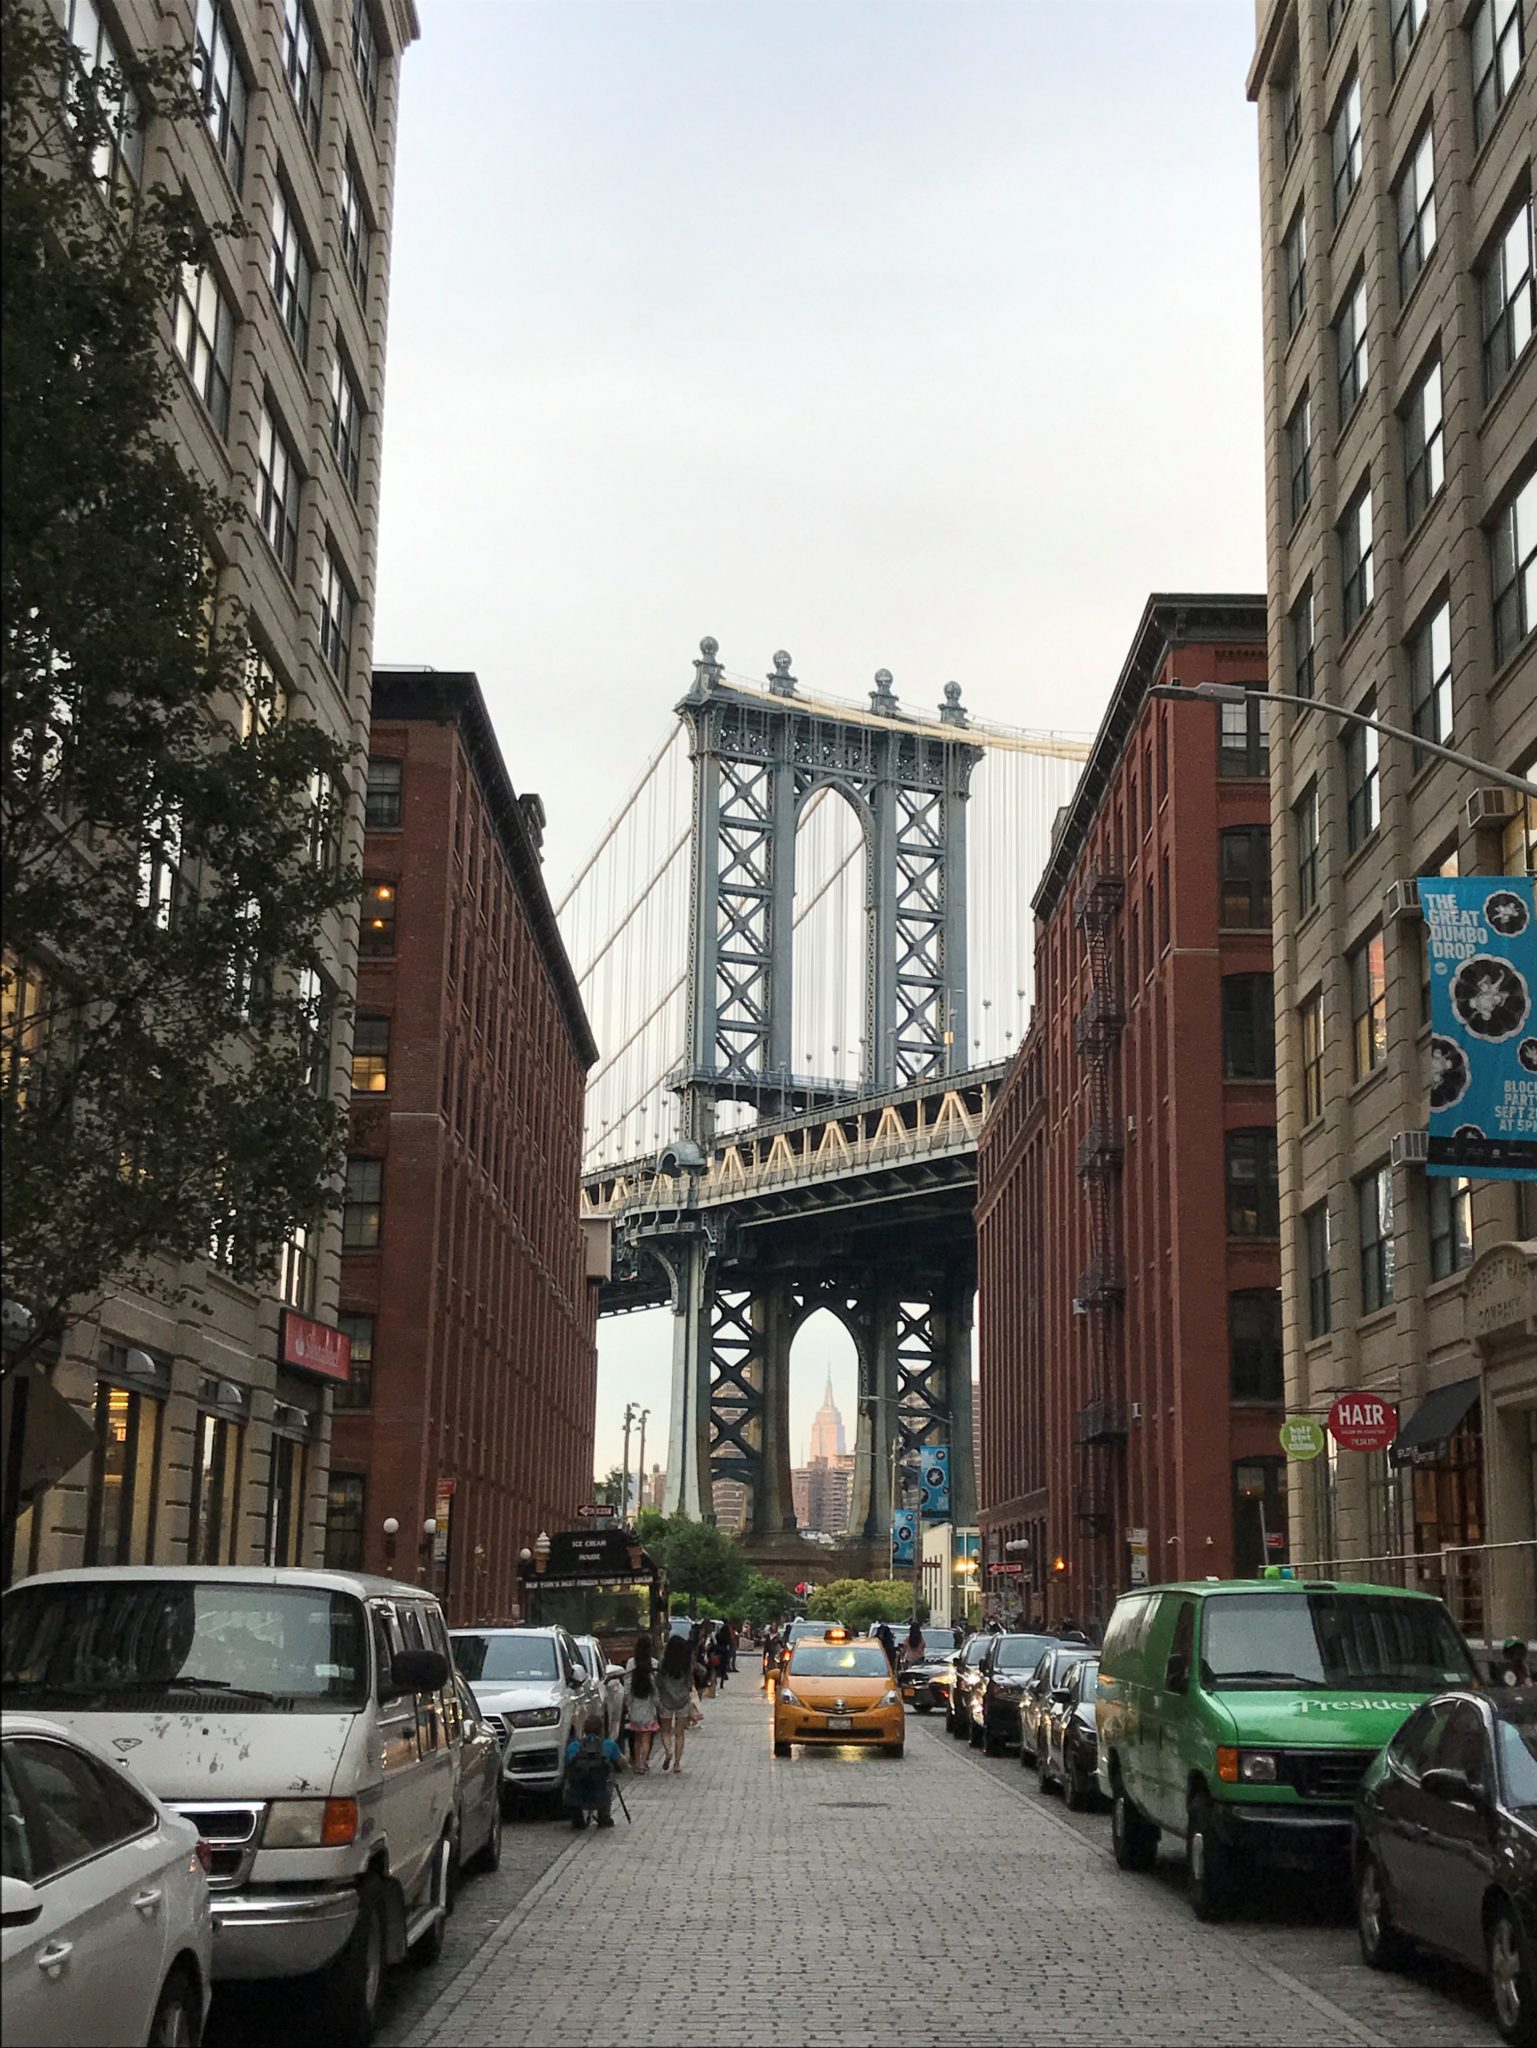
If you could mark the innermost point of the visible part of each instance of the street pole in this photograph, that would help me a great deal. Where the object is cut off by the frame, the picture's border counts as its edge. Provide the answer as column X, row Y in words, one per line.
column 640, row 1464
column 891, row 1539
column 624, row 1483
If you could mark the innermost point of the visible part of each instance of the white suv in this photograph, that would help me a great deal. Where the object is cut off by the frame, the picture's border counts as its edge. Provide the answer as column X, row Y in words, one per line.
column 533, row 1684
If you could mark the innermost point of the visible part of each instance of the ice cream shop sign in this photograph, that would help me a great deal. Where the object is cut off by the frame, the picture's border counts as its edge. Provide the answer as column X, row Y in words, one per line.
column 1363, row 1422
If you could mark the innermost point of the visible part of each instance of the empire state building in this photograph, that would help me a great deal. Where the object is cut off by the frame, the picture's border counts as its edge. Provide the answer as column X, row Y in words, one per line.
column 827, row 1439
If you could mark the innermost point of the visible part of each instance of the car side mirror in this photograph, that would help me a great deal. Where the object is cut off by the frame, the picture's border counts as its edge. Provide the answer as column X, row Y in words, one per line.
column 1453, row 1786
column 1176, row 1677
column 20, row 1904
column 1062, row 1692
column 418, row 1671
column 615, row 1671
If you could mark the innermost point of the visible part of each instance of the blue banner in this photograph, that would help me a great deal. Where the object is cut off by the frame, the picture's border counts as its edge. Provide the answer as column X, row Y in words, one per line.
column 904, row 1537
column 934, row 1478
column 1481, row 942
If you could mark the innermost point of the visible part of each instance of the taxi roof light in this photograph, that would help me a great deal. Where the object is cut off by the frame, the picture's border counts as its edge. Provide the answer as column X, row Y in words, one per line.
column 836, row 1634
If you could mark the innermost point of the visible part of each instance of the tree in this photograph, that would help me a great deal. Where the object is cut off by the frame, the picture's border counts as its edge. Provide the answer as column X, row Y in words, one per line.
column 611, row 1488
column 859, row 1603
column 701, row 1561
column 170, row 837
column 763, row 1600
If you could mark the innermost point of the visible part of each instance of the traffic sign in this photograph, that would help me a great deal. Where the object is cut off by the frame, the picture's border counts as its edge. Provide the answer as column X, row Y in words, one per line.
column 1301, row 1437
column 1363, row 1422
column 596, row 1507
column 1000, row 1569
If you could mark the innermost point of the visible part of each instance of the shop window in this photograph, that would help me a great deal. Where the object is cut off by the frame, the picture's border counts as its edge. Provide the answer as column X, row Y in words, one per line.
column 1448, row 1517
column 212, row 1532
column 125, row 1471
column 285, row 1501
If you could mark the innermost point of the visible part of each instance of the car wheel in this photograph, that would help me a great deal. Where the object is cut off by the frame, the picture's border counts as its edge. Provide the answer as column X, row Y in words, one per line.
column 992, row 1742
column 489, row 1856
column 178, row 2021
column 923, row 1707
column 1043, row 1777
column 1133, row 1840
column 955, row 1724
column 1208, row 1865
column 1382, row 1946
column 1512, row 1978
column 781, row 1749
column 893, row 1748
column 428, row 1947
column 1074, row 1789
column 350, row 1994
column 974, row 1733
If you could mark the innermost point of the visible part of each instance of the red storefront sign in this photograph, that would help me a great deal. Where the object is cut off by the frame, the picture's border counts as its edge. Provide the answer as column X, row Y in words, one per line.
column 1363, row 1422
column 314, row 1347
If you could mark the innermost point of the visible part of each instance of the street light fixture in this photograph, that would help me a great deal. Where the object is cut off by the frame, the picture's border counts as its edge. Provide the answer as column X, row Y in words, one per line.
column 1236, row 693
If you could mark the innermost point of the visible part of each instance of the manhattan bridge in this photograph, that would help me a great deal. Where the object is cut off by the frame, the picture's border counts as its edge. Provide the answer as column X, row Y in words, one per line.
column 805, row 942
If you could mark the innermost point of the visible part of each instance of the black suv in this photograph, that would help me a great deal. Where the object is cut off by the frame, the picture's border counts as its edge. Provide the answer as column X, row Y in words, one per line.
column 1001, row 1683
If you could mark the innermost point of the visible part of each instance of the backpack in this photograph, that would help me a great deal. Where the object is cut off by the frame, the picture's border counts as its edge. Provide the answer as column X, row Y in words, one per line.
column 589, row 1761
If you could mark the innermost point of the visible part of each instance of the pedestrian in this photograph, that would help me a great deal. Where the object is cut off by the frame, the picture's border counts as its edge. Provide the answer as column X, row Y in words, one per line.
column 592, row 1758
column 674, row 1701
column 958, row 1636
column 1518, row 1667
column 887, row 1641
column 640, row 1713
column 720, row 1652
column 914, row 1642
column 770, row 1652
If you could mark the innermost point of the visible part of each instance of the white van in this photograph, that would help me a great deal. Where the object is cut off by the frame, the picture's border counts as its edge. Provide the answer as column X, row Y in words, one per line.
column 303, row 1720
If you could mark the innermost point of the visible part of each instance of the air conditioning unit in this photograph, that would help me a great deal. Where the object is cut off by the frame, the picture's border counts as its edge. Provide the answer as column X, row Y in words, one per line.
column 1402, row 900
column 1492, row 806
column 1410, row 1148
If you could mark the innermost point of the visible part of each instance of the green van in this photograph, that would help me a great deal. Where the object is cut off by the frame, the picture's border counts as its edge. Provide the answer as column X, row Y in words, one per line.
column 1242, row 1714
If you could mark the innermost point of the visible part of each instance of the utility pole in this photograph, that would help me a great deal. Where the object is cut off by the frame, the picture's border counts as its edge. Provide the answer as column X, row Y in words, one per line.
column 891, row 1540
column 640, row 1464
column 624, row 1483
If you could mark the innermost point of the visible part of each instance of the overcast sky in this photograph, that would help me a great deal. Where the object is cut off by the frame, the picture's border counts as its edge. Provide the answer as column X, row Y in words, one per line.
column 905, row 335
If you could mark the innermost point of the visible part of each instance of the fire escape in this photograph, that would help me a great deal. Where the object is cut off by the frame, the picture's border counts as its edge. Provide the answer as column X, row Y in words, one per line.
column 1102, row 1284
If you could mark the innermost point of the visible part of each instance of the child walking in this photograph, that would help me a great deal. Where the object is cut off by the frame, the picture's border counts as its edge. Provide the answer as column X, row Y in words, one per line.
column 592, row 1758
column 640, row 1705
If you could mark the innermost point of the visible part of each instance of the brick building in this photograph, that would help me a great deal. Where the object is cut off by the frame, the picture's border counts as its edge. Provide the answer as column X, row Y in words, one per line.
column 465, row 1288
column 1129, row 1307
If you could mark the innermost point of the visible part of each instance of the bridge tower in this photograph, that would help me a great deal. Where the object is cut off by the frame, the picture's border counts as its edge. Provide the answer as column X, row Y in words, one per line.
column 759, row 756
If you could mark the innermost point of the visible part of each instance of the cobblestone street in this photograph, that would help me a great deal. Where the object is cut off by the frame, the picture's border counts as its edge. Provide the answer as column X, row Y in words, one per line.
column 946, row 1872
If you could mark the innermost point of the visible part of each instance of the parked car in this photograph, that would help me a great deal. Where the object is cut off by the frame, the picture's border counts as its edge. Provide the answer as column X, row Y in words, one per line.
column 1057, row 1661
column 477, row 1782
column 994, row 1699
column 105, row 1931
column 300, row 1720
column 609, row 1679
column 965, row 1676
column 1446, row 1846
column 797, row 1632
column 534, row 1688
column 1243, row 1714
column 1068, row 1743
column 923, row 1680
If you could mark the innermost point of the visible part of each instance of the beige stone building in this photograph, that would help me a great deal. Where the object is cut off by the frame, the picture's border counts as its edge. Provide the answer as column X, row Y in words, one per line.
column 1396, row 141
column 209, row 1437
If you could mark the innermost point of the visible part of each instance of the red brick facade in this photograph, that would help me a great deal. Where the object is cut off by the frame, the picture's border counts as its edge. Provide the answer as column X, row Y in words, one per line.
column 1122, row 1386
column 484, row 1364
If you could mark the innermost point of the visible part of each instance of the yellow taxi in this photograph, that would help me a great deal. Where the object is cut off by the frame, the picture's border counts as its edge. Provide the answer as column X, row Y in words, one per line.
column 838, row 1688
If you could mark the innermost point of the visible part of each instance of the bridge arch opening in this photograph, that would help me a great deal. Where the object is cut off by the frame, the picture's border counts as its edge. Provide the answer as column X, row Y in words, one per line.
column 825, row 1428
column 829, row 941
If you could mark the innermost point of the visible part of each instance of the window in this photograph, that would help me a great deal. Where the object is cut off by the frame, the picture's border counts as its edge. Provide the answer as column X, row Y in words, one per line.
column 1374, row 1206
column 1350, row 353
column 344, row 1521
column 301, row 1271
column 1256, row 1370
column 277, row 493
column 376, row 940
column 1248, row 1027
column 1497, row 51
column 1316, row 1248
column 327, row 814
column 371, row 1056
column 1414, row 205
column 365, row 57
column 1368, row 1004
column 1518, row 842
column 1294, row 256
column 1507, row 296
column 1345, row 147
column 303, row 65
column 290, row 272
column 1334, row 14
column 361, row 1204
column 125, row 1470
column 1363, row 794
column 1253, row 1193
column 1310, row 1026
column 160, row 878
column 1449, row 1205
column 357, row 1391
column 1355, row 532
column 346, row 421
column 1243, row 739
column 213, row 1530
column 381, row 804
column 1305, row 820
column 1405, row 20
column 26, row 1025
column 119, row 159
column 204, row 326
column 1424, row 454
column 221, row 86
column 263, row 699
column 317, row 998
column 87, row 1809
column 1291, row 111
column 357, row 234
column 285, row 1500
column 335, row 618
column 1245, row 877
column 1430, row 675
column 1302, row 644
column 1513, row 556
column 1299, row 455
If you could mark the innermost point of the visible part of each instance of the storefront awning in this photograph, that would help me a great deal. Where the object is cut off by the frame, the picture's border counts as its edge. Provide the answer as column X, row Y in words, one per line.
column 1423, row 1436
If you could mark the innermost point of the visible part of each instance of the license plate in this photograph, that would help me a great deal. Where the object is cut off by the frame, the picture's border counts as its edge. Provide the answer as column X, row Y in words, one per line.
column 840, row 1721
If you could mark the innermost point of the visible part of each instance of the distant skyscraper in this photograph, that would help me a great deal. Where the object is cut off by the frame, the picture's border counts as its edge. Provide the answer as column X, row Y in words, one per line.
column 827, row 1440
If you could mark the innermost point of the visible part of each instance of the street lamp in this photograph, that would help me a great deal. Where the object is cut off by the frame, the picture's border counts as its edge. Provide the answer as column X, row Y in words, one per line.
column 1237, row 693
column 391, row 1531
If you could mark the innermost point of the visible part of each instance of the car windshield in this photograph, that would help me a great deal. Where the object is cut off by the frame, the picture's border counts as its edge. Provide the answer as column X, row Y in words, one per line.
column 1329, row 1641
column 508, row 1660
column 205, row 1646
column 938, row 1642
column 839, row 1660
column 1063, row 1664
column 1087, row 1676
column 1516, row 1736
column 1019, row 1653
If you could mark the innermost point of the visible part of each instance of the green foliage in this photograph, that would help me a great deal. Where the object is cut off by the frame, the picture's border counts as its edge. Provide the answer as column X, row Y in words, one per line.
column 764, row 1600
column 859, row 1603
column 611, row 1488
column 702, row 1561
column 170, row 839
